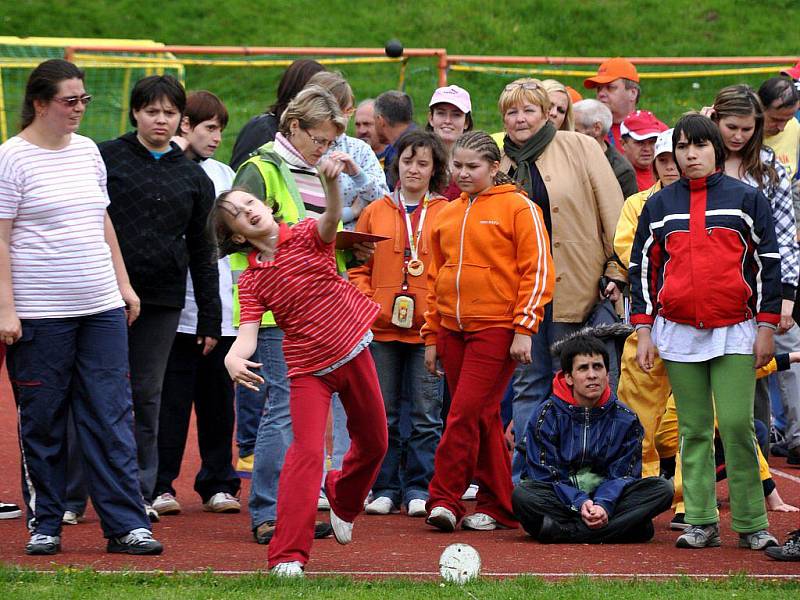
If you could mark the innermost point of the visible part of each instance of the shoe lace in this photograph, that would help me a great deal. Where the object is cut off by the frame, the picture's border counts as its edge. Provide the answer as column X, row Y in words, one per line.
column 41, row 538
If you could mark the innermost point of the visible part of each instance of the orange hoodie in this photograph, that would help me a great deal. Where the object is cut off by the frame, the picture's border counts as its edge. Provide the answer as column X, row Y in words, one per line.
column 491, row 265
column 381, row 277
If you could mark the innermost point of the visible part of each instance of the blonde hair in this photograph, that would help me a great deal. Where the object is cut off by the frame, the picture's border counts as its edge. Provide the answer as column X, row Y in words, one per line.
column 551, row 85
column 313, row 106
column 524, row 91
column 336, row 84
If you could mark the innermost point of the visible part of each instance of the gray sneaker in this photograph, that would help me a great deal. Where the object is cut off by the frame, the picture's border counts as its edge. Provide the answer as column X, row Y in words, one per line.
column 758, row 540
column 41, row 544
column 699, row 536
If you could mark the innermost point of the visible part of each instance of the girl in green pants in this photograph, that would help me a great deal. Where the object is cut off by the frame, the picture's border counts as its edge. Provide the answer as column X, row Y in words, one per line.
column 705, row 287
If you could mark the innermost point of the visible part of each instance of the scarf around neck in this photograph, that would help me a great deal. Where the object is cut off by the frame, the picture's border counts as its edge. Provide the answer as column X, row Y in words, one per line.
column 528, row 153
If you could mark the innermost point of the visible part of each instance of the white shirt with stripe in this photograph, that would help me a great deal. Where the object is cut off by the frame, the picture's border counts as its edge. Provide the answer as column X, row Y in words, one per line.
column 60, row 261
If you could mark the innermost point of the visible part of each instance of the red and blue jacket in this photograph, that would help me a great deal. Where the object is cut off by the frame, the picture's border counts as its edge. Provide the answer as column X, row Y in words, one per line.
column 705, row 254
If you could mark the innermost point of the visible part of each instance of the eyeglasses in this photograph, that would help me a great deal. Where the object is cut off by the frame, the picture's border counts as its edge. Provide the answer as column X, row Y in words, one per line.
column 319, row 142
column 73, row 100
column 526, row 85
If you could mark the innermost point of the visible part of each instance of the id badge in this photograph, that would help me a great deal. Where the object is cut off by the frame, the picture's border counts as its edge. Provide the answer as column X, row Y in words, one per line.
column 403, row 311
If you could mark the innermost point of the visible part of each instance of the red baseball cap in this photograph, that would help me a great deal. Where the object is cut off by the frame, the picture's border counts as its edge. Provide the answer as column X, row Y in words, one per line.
column 794, row 72
column 642, row 125
column 613, row 68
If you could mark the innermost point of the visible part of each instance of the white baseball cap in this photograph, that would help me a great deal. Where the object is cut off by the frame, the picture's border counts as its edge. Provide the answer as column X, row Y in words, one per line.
column 664, row 142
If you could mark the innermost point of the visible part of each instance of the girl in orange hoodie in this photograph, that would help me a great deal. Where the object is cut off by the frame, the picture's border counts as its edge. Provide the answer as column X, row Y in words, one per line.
column 490, row 279
column 396, row 278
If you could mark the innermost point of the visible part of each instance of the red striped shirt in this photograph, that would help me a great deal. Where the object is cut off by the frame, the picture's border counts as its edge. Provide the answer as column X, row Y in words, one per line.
column 322, row 316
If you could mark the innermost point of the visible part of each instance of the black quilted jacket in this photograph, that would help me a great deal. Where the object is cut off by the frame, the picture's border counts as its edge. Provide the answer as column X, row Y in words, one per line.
column 159, row 210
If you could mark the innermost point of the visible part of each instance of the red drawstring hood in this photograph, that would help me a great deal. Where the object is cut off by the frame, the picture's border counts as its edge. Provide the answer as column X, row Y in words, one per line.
column 562, row 389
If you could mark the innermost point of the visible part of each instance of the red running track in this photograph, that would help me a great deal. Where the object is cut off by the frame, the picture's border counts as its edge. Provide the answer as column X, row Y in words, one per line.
column 383, row 546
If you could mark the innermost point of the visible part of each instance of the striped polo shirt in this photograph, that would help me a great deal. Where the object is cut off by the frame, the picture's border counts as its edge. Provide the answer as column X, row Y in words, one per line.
column 60, row 261
column 323, row 317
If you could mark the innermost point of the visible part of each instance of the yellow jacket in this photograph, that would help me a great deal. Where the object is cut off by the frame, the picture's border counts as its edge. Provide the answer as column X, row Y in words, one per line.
column 628, row 221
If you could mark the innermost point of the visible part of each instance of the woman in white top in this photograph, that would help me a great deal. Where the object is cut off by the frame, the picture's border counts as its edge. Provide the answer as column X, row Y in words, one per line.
column 63, row 296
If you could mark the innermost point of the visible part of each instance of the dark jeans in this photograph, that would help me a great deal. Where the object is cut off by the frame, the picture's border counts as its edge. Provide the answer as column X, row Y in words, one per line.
column 204, row 381
column 631, row 521
column 149, row 342
column 78, row 364
column 403, row 379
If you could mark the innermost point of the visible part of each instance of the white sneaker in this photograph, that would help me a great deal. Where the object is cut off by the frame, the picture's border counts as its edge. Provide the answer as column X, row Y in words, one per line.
column 151, row 513
column 471, row 492
column 9, row 511
column 381, row 506
column 71, row 518
column 416, row 508
column 322, row 503
column 442, row 518
column 342, row 530
column 288, row 569
column 222, row 502
column 479, row 522
column 166, row 504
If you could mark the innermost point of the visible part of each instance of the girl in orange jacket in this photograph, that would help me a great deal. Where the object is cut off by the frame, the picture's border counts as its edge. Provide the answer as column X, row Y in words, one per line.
column 396, row 278
column 490, row 279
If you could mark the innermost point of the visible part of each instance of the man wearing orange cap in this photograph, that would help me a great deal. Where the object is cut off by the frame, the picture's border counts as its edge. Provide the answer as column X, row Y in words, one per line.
column 617, row 86
column 639, row 131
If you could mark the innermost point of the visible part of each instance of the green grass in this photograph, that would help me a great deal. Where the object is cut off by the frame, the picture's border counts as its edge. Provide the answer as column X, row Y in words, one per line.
column 535, row 27
column 74, row 584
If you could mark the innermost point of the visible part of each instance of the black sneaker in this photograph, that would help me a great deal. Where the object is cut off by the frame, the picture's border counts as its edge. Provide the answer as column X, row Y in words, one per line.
column 138, row 541
column 9, row 511
column 264, row 532
column 793, row 456
column 790, row 551
column 42, row 545
column 678, row 522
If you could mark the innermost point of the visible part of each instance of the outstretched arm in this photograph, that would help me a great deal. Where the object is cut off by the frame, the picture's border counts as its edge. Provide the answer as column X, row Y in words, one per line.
column 237, row 360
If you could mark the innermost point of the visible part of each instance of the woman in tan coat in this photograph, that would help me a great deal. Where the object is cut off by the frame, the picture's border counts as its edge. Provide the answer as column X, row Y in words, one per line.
column 566, row 175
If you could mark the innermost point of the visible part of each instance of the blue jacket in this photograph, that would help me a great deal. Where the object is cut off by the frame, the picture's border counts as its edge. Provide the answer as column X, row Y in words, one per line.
column 587, row 453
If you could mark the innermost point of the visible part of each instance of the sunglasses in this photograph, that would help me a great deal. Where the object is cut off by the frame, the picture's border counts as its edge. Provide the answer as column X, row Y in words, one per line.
column 527, row 85
column 73, row 100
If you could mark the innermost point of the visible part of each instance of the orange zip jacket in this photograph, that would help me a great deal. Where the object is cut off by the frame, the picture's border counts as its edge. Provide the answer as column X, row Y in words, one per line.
column 381, row 277
column 491, row 265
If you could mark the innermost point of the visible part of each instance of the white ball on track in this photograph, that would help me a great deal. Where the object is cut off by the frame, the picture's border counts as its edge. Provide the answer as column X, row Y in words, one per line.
column 459, row 563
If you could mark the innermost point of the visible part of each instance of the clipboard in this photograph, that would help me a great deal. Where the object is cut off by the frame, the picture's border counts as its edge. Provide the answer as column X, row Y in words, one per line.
column 346, row 239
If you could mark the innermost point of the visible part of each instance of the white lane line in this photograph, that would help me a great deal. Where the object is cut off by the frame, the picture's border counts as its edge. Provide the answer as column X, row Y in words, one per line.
column 780, row 473
column 436, row 574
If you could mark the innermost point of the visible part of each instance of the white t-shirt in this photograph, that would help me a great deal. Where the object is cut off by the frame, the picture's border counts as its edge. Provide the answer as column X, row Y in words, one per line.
column 222, row 176
column 683, row 343
column 60, row 261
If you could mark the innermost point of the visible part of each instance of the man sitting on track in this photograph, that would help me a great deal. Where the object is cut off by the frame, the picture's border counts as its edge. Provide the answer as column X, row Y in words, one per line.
column 584, row 460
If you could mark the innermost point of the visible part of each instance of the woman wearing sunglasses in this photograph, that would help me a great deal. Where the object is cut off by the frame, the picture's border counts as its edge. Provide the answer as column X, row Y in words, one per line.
column 565, row 173
column 63, row 294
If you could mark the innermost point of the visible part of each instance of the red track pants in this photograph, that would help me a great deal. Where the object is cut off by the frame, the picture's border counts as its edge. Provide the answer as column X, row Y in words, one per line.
column 298, row 487
column 478, row 368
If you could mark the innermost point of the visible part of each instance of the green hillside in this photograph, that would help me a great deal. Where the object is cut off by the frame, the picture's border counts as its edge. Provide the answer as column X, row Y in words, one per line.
column 576, row 28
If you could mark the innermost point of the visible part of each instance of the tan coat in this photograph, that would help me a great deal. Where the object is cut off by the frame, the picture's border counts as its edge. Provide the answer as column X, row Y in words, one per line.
column 585, row 204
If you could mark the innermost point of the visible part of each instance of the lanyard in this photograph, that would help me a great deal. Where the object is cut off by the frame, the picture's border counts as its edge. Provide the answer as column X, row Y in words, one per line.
column 413, row 240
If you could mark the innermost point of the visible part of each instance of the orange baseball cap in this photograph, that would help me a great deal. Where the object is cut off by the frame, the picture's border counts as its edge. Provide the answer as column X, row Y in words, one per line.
column 613, row 68
column 574, row 95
